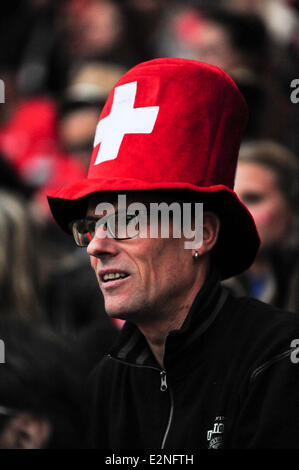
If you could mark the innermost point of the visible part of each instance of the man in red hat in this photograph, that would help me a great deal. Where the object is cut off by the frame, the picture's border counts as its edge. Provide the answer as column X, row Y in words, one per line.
column 193, row 367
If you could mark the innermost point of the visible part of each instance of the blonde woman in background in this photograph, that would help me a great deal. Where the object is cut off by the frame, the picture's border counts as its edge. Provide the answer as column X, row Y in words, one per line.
column 267, row 182
column 19, row 278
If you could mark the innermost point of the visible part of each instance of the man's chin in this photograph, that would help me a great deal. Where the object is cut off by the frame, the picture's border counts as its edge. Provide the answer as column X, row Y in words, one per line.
column 118, row 316
column 121, row 314
column 117, row 312
column 125, row 308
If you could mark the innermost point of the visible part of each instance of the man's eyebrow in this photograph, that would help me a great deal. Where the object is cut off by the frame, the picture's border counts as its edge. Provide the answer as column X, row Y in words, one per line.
column 89, row 213
column 94, row 215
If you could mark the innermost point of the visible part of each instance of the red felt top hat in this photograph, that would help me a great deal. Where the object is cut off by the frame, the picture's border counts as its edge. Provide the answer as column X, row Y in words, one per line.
column 171, row 124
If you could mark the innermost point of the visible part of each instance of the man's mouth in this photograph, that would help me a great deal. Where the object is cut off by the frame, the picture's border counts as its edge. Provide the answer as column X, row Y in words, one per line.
column 113, row 276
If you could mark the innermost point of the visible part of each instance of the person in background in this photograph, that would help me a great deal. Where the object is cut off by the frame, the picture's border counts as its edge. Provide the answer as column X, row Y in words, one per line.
column 38, row 286
column 218, row 36
column 80, row 105
column 41, row 381
column 91, row 30
column 11, row 181
column 267, row 181
column 238, row 42
column 20, row 283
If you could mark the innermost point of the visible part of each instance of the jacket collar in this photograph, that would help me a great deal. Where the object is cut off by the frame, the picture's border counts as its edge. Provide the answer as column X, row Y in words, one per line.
column 132, row 347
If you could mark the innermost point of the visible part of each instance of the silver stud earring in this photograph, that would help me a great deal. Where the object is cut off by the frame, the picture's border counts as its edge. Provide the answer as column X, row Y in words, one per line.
column 196, row 255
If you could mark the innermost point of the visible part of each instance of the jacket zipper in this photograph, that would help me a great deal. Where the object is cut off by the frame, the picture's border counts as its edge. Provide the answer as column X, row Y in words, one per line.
column 163, row 388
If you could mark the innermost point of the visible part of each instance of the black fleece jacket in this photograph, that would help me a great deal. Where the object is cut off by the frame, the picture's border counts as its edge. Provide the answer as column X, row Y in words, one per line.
column 228, row 381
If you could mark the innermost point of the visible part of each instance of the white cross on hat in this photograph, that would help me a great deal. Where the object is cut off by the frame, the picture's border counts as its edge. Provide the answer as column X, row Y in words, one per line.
column 123, row 119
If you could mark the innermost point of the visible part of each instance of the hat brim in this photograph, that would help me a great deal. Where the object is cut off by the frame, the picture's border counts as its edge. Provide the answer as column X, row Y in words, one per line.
column 238, row 241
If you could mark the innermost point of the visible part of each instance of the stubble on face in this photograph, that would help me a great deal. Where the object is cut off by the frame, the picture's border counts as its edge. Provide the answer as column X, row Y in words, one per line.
column 161, row 274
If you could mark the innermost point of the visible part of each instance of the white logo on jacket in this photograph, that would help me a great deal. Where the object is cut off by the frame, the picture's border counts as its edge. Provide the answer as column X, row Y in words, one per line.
column 215, row 435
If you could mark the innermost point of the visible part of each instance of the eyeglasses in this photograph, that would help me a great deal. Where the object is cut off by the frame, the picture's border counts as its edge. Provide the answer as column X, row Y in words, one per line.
column 120, row 225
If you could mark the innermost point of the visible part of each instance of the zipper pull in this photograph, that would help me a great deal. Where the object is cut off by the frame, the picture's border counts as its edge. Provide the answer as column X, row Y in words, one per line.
column 163, row 386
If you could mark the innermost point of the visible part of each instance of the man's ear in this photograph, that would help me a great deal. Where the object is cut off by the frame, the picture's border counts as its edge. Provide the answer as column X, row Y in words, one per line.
column 25, row 431
column 211, row 227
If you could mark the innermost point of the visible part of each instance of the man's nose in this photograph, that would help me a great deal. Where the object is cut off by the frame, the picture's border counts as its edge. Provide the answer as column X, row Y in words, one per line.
column 102, row 243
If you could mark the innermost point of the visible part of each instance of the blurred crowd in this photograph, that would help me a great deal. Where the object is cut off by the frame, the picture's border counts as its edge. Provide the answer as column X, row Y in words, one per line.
column 58, row 62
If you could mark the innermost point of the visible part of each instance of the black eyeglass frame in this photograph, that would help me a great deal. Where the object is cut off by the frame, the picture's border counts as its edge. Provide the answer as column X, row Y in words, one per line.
column 105, row 220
